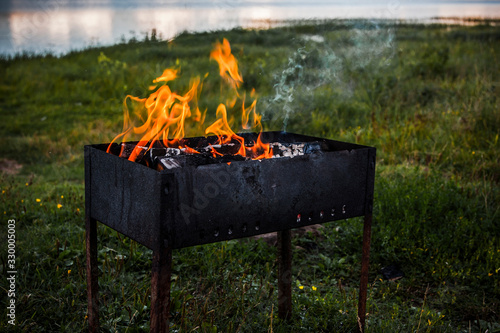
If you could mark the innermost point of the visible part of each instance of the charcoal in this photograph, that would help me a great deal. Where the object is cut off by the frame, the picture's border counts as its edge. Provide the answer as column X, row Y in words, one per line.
column 156, row 152
column 167, row 163
column 163, row 158
column 312, row 147
column 127, row 149
column 229, row 158
column 296, row 149
column 181, row 161
column 173, row 151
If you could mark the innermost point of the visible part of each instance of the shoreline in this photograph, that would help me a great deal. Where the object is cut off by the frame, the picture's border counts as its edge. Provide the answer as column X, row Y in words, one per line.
column 264, row 24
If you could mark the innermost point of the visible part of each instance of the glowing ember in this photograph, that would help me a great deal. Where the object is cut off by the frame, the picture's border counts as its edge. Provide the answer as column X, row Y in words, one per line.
column 160, row 119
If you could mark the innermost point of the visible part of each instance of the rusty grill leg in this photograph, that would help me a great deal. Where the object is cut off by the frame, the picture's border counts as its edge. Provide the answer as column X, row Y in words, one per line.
column 284, row 274
column 160, row 290
column 367, row 229
column 92, row 273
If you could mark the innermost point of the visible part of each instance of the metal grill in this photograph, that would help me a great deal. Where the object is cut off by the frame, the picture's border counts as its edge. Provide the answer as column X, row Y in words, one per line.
column 193, row 204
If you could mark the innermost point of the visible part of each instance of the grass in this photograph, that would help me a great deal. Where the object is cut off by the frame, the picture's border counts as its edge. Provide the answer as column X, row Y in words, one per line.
column 425, row 95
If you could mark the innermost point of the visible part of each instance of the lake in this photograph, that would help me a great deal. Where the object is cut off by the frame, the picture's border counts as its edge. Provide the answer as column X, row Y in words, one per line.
column 58, row 26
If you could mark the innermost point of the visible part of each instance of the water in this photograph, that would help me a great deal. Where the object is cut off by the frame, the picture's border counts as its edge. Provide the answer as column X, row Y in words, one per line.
column 59, row 26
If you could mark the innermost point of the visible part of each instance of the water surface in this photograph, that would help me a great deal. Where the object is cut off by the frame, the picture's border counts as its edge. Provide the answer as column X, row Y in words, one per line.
column 59, row 26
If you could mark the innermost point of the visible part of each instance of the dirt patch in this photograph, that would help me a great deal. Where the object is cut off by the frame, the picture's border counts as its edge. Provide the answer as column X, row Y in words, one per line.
column 9, row 167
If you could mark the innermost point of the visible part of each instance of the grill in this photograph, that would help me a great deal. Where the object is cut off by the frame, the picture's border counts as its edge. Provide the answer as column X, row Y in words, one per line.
column 216, row 199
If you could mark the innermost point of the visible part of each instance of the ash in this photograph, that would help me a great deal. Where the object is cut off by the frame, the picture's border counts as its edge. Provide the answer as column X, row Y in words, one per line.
column 294, row 149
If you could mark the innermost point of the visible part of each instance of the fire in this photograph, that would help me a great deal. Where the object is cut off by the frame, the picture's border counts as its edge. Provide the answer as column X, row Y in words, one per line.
column 162, row 116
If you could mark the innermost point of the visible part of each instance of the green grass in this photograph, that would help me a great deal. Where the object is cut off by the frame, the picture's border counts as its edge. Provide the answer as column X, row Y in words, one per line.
column 426, row 96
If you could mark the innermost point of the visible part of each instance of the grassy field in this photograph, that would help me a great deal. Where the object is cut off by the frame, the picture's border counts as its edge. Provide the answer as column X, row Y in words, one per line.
column 427, row 97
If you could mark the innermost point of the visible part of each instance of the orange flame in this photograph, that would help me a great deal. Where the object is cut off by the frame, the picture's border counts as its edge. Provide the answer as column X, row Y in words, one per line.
column 162, row 116
column 228, row 65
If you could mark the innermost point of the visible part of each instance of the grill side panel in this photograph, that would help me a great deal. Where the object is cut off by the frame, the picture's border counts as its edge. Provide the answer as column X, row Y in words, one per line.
column 124, row 196
column 219, row 202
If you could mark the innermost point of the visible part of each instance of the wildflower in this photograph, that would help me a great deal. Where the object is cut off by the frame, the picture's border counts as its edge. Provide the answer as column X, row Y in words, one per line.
column 314, row 288
column 59, row 206
column 301, row 287
column 69, row 271
column 3, row 191
column 38, row 200
column 473, row 153
column 62, row 196
column 27, row 184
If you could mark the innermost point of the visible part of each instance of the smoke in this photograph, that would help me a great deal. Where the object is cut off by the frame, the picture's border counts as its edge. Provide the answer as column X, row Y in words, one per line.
column 290, row 78
column 327, row 59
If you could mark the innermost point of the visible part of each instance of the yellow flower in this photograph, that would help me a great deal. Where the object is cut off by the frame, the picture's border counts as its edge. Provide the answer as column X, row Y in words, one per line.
column 3, row 191
column 301, row 287
column 69, row 271
column 38, row 200
column 27, row 184
column 62, row 196
column 59, row 206
column 473, row 153
column 314, row 288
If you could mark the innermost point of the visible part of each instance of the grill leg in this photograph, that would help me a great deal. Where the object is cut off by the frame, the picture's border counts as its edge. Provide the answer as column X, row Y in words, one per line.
column 284, row 274
column 160, row 290
column 367, row 230
column 92, row 274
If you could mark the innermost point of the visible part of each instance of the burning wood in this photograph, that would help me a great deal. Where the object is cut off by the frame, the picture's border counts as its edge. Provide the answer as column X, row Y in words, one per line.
column 159, row 120
column 162, row 158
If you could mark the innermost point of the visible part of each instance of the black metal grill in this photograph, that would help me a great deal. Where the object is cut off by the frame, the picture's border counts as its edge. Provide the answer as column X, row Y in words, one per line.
column 199, row 204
